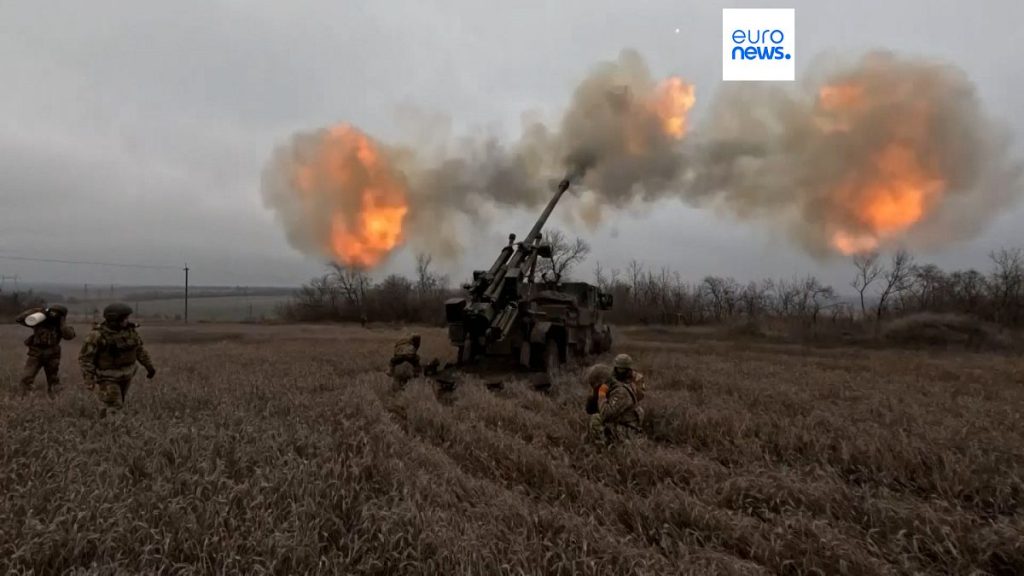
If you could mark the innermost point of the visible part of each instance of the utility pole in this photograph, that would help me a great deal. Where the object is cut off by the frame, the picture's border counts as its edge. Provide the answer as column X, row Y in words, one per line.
column 186, row 293
column 4, row 279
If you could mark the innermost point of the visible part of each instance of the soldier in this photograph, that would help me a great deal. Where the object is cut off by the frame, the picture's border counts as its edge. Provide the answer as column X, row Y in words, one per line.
column 597, row 378
column 109, row 355
column 49, row 327
column 405, row 363
column 618, row 414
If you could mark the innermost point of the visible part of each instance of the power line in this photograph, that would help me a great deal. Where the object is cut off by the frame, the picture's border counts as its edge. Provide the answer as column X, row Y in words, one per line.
column 219, row 270
column 114, row 264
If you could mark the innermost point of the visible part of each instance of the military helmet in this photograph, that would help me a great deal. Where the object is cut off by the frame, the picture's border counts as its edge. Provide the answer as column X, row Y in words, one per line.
column 58, row 309
column 117, row 311
column 623, row 361
column 596, row 375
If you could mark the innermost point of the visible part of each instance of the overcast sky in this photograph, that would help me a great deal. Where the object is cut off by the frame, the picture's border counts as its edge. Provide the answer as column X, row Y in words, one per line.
column 137, row 131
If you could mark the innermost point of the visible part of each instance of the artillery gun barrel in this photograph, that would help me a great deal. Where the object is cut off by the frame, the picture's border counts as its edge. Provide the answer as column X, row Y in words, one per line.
column 535, row 231
column 528, row 243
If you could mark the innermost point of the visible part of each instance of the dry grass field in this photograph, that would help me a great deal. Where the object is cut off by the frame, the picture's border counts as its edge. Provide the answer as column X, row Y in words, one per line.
column 279, row 449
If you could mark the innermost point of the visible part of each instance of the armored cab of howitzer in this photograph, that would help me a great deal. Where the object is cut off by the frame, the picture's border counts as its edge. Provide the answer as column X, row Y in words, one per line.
column 511, row 312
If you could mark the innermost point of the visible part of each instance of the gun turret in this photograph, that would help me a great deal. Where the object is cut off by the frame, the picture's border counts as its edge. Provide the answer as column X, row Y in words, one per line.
column 494, row 294
column 539, row 325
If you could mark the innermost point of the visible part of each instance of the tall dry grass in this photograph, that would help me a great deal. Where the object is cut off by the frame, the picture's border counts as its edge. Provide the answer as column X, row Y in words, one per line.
column 280, row 450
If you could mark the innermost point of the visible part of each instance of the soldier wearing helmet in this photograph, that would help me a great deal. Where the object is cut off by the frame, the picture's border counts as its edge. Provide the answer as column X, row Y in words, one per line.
column 109, row 356
column 405, row 362
column 49, row 327
column 615, row 407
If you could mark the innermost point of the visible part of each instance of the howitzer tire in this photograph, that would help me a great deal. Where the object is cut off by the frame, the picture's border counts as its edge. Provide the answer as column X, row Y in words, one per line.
column 606, row 339
column 466, row 351
column 552, row 359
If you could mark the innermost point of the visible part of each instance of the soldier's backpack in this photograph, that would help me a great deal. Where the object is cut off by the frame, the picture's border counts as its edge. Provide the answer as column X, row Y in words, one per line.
column 597, row 378
column 597, row 394
column 404, row 348
column 117, row 349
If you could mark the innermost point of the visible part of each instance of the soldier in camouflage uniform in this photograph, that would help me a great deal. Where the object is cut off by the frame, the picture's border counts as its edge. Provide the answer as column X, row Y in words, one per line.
column 405, row 362
column 44, row 346
column 617, row 415
column 109, row 355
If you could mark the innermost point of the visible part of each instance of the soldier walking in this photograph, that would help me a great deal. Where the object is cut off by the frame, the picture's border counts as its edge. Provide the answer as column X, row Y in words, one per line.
column 615, row 406
column 49, row 327
column 109, row 356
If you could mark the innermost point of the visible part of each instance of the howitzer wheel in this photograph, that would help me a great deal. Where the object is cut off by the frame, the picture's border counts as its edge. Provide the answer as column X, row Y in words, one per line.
column 466, row 351
column 552, row 359
column 606, row 340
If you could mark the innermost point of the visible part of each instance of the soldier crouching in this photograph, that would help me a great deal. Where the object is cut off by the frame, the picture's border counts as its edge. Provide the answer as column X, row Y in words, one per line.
column 109, row 356
column 49, row 327
column 405, row 362
column 615, row 410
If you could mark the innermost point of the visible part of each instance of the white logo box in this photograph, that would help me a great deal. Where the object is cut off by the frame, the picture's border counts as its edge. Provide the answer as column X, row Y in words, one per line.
column 758, row 44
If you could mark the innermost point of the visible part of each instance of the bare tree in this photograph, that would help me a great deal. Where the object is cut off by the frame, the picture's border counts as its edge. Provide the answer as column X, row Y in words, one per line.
column 967, row 290
column 868, row 270
column 319, row 298
column 786, row 300
column 821, row 297
column 427, row 283
column 1007, row 285
column 897, row 279
column 636, row 272
column 929, row 288
column 353, row 284
column 565, row 254
column 394, row 298
column 723, row 294
column 600, row 279
column 753, row 298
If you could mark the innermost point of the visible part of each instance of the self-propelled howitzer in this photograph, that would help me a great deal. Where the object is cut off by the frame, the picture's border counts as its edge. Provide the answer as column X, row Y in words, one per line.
column 538, row 323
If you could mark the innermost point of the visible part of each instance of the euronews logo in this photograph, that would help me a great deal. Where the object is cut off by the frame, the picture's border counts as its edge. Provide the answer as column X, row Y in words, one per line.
column 758, row 44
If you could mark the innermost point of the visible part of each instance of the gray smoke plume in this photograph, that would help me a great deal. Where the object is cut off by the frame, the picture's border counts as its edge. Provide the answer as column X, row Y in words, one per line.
column 612, row 136
column 884, row 150
column 887, row 151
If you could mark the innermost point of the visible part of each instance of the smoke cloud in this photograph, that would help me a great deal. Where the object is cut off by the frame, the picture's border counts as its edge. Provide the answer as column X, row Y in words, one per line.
column 885, row 151
column 880, row 151
column 620, row 136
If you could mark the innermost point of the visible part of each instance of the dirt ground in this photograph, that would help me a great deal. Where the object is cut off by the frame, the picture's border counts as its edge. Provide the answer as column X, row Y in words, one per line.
column 281, row 449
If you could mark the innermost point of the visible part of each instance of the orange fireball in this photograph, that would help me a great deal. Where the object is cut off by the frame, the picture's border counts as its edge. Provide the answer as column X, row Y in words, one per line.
column 672, row 103
column 665, row 109
column 350, row 186
column 897, row 185
column 837, row 105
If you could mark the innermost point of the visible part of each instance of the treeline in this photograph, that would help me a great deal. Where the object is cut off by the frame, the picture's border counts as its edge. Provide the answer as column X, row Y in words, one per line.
column 349, row 294
column 644, row 296
column 12, row 304
column 895, row 287
column 880, row 288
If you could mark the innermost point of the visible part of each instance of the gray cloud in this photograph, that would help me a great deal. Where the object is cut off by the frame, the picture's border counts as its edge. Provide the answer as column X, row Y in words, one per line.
column 139, row 131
